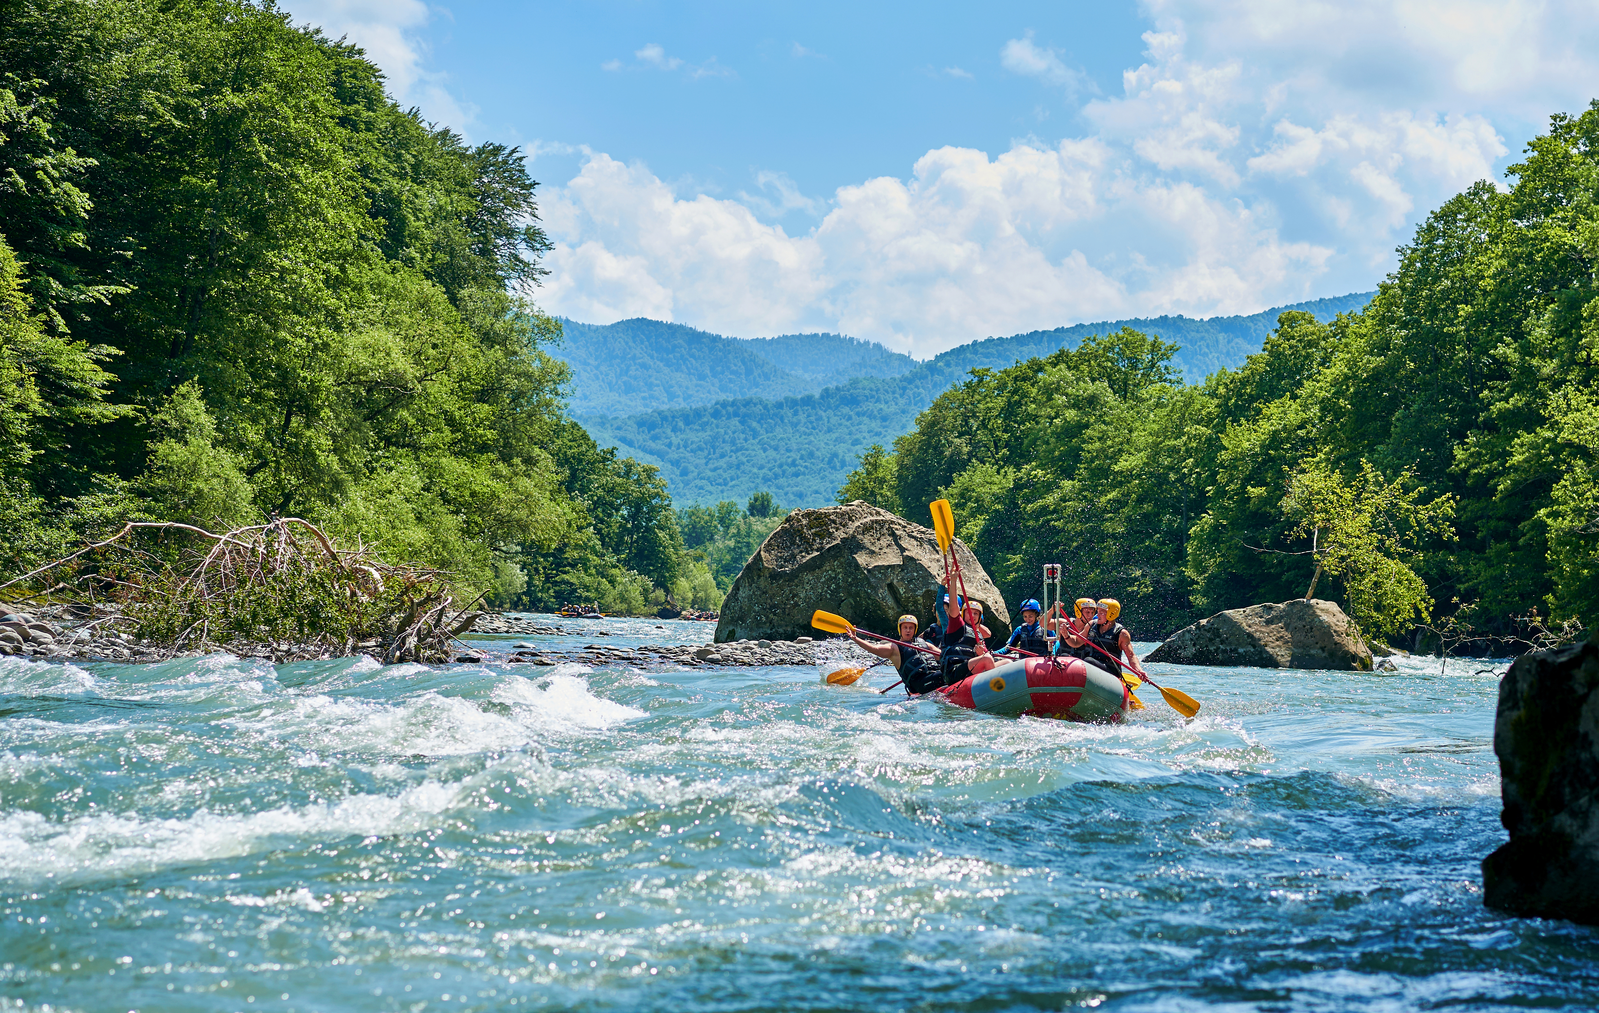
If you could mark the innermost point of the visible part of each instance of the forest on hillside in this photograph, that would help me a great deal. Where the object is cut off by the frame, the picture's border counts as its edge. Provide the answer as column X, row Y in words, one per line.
column 1429, row 461
column 800, row 447
column 238, row 281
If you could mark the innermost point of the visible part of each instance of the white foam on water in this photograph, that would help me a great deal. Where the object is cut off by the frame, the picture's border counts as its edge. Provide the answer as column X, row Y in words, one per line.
column 88, row 847
column 564, row 701
column 427, row 724
column 25, row 677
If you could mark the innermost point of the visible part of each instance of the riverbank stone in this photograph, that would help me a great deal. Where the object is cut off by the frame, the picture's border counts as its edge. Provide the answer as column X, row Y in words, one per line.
column 856, row 560
column 1307, row 633
column 1546, row 734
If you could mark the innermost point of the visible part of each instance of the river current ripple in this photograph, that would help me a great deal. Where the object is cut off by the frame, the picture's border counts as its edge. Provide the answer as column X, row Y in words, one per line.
column 218, row 834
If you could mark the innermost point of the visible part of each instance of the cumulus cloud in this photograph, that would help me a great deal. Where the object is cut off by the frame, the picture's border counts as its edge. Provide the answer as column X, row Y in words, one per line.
column 966, row 247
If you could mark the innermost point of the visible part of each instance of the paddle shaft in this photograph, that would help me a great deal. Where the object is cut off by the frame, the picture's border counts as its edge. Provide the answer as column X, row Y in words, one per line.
column 879, row 636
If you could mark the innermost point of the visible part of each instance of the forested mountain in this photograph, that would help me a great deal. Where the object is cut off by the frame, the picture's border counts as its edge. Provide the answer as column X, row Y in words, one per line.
column 800, row 448
column 236, row 280
column 1432, row 461
column 640, row 365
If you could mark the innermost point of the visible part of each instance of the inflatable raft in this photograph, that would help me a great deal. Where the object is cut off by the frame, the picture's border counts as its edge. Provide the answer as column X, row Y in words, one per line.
column 1045, row 687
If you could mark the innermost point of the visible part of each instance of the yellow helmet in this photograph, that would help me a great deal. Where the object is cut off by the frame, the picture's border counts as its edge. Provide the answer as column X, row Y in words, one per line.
column 1112, row 607
column 1077, row 607
column 909, row 619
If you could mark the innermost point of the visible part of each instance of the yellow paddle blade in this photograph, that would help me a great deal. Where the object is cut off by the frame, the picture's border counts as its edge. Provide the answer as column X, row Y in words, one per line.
column 845, row 676
column 943, row 523
column 1180, row 702
column 831, row 623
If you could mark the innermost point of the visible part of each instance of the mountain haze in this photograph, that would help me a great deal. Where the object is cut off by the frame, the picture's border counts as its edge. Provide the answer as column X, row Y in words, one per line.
column 801, row 446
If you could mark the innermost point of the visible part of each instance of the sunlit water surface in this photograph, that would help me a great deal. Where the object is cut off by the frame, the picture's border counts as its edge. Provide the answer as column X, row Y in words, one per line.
column 222, row 834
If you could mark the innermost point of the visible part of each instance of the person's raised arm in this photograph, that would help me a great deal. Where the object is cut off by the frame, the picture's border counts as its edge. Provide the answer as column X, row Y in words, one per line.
column 881, row 650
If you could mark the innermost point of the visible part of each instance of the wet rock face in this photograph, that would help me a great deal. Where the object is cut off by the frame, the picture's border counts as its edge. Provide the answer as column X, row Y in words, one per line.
column 856, row 560
column 1308, row 633
column 1546, row 734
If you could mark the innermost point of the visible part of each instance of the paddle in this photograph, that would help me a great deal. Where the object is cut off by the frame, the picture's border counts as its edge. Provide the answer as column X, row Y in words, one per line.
column 849, row 676
column 943, row 523
column 1179, row 701
column 838, row 624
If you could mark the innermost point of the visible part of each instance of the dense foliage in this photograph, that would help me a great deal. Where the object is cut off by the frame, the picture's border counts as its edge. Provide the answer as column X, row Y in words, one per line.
column 236, row 279
column 801, row 447
column 721, row 539
column 1434, row 457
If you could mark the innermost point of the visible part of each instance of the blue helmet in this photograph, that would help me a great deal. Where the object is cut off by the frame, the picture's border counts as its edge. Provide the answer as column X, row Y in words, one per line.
column 1032, row 605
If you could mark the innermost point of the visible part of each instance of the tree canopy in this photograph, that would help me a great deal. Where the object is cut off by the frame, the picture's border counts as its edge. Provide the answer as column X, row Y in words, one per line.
column 238, row 280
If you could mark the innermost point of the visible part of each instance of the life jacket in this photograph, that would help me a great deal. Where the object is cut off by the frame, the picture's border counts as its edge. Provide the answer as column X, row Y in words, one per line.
column 958, row 651
column 1030, row 637
column 920, row 676
column 1109, row 639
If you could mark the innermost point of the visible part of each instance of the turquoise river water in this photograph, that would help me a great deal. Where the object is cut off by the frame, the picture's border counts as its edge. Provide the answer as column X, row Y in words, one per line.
column 218, row 834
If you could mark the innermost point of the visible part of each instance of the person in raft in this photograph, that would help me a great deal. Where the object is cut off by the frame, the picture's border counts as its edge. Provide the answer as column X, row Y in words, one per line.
column 1029, row 638
column 1113, row 638
column 963, row 640
column 916, row 668
column 1071, row 633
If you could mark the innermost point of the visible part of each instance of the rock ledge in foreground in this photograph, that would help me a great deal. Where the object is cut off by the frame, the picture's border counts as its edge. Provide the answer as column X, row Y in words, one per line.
column 1307, row 633
column 1546, row 733
column 856, row 560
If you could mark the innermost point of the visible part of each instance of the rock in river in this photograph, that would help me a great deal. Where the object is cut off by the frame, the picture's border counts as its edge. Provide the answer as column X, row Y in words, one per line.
column 1307, row 633
column 1546, row 733
column 861, row 562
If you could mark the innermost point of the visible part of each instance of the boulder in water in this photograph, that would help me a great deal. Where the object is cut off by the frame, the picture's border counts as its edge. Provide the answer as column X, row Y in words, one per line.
column 1307, row 633
column 856, row 560
column 1546, row 733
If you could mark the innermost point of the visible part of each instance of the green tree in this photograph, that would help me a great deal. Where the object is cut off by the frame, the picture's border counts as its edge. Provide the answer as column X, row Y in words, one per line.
column 873, row 481
column 1362, row 529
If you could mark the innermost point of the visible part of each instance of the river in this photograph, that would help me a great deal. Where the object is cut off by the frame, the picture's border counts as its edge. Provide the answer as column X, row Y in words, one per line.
column 217, row 834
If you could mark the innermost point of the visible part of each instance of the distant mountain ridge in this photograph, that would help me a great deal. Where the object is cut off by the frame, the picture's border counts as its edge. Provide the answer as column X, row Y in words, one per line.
column 801, row 446
column 640, row 364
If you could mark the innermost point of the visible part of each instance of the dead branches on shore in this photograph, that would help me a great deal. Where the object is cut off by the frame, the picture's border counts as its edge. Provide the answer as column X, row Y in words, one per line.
column 282, row 590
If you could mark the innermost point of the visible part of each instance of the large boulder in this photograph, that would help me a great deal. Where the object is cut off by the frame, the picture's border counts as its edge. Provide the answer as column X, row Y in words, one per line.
column 856, row 560
column 1308, row 633
column 1546, row 733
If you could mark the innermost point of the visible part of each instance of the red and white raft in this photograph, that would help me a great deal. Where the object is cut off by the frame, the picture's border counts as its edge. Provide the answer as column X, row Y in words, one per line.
column 1045, row 687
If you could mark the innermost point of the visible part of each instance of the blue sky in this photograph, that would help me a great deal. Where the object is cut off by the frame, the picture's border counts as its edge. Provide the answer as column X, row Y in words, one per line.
column 927, row 174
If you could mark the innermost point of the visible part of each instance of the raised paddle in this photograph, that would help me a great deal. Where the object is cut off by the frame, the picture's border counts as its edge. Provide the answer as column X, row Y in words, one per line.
column 943, row 523
column 838, row 624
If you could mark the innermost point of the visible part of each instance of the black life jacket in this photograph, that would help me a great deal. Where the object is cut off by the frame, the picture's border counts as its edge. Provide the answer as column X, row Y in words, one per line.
column 920, row 676
column 1030, row 637
column 1110, row 641
column 958, row 653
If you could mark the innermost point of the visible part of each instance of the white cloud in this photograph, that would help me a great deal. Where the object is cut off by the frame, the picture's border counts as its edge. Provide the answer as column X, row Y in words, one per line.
column 958, row 72
column 1025, row 57
column 390, row 33
column 653, row 56
column 968, row 246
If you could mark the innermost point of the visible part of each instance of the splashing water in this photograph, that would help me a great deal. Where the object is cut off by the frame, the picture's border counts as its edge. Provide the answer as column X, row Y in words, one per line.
column 217, row 834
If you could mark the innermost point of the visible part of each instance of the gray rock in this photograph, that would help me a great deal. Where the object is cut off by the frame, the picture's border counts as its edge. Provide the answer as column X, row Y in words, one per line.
column 856, row 560
column 1307, row 633
column 703, row 653
column 764, row 645
column 1546, row 733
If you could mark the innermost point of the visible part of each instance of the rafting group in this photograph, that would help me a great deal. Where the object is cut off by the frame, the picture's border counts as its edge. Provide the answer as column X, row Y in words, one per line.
column 1079, row 666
